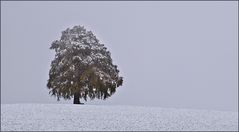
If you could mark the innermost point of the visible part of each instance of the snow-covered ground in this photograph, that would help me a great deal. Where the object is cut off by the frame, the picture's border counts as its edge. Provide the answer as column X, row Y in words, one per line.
column 94, row 117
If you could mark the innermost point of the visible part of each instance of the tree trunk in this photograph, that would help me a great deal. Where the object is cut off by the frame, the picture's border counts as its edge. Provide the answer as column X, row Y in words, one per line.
column 76, row 98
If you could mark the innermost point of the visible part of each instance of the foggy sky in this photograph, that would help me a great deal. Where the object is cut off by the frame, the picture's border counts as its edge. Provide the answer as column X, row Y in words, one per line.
column 171, row 54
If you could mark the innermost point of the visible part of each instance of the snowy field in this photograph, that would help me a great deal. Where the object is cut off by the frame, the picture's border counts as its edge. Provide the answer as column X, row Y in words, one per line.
column 22, row 117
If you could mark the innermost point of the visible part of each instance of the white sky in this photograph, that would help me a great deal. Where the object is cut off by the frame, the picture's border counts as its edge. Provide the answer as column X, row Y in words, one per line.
column 171, row 54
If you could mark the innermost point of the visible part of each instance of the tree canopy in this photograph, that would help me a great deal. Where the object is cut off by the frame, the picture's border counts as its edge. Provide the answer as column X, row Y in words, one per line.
column 82, row 67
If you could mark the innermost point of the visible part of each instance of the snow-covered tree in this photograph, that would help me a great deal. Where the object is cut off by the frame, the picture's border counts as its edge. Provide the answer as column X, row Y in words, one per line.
column 82, row 67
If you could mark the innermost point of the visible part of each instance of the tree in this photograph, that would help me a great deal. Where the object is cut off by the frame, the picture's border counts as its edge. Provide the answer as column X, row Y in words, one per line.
column 82, row 67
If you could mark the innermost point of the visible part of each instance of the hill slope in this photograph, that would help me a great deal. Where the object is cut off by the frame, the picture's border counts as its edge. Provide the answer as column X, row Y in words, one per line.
column 92, row 117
